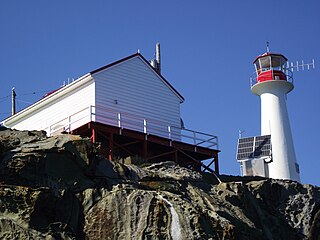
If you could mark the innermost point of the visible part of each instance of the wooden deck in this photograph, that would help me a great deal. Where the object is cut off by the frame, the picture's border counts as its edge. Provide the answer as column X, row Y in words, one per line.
column 122, row 143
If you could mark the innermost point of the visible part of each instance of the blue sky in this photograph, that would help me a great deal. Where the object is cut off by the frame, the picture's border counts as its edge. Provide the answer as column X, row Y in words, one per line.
column 207, row 49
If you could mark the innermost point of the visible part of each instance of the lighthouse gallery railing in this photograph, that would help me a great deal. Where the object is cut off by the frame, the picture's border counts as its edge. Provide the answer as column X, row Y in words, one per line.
column 287, row 72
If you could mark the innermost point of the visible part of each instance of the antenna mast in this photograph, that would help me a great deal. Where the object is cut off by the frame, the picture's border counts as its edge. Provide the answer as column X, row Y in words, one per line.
column 268, row 50
column 13, row 96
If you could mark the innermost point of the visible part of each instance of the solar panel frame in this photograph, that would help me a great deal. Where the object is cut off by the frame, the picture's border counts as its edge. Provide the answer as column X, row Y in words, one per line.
column 254, row 147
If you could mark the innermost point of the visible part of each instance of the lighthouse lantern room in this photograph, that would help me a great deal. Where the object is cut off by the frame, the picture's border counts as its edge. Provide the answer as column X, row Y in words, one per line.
column 274, row 155
column 270, row 66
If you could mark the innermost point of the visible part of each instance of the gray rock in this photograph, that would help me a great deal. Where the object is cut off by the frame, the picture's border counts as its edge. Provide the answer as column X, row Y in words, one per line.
column 59, row 188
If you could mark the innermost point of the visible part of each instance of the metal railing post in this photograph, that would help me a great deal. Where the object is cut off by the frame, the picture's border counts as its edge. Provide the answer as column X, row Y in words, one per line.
column 217, row 143
column 169, row 132
column 144, row 125
column 69, row 123
column 119, row 120
column 90, row 113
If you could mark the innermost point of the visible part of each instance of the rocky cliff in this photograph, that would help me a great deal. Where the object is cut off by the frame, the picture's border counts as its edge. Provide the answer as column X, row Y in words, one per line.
column 60, row 188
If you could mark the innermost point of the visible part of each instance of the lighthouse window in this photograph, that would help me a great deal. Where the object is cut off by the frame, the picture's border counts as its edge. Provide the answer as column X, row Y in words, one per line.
column 265, row 62
column 276, row 61
column 258, row 66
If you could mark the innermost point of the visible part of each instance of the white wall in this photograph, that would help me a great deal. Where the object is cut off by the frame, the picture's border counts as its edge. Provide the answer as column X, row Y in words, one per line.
column 133, row 87
column 56, row 111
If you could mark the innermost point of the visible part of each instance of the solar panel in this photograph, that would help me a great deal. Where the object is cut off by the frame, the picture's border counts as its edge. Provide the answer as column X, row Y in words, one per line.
column 254, row 147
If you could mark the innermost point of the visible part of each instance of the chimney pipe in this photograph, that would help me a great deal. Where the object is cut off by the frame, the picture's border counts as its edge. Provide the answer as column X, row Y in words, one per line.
column 13, row 107
column 158, row 59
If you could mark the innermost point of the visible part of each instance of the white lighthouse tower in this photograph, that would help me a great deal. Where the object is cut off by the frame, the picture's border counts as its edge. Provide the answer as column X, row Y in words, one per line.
column 272, row 83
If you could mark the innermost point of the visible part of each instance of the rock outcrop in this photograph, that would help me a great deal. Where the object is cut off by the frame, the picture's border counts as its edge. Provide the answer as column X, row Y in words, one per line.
column 60, row 188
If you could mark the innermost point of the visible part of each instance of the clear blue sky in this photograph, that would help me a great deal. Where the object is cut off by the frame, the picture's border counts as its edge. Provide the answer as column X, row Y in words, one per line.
column 207, row 52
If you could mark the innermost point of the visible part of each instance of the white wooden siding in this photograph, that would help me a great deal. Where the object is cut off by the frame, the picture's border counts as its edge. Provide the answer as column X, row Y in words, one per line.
column 132, row 88
column 55, row 115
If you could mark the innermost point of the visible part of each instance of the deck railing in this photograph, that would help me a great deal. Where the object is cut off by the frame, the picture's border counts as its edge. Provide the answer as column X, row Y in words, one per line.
column 132, row 122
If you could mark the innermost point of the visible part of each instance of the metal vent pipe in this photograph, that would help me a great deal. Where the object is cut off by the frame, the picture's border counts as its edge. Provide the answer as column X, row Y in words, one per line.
column 158, row 58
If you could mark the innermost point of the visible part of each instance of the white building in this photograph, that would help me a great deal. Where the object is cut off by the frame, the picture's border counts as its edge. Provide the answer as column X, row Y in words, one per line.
column 130, row 87
column 128, row 98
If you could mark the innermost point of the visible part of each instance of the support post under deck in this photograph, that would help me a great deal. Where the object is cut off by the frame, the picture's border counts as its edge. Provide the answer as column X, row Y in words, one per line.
column 145, row 149
column 176, row 160
column 93, row 135
column 110, row 152
column 216, row 164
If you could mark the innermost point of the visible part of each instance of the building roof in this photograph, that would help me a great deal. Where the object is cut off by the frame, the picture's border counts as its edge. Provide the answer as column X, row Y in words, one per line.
column 269, row 54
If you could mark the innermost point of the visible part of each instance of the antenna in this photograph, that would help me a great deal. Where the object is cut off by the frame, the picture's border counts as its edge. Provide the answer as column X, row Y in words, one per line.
column 301, row 66
column 268, row 50
column 13, row 107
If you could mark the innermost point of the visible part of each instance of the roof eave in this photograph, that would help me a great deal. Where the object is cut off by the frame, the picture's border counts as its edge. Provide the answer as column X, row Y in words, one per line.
column 163, row 78
column 268, row 54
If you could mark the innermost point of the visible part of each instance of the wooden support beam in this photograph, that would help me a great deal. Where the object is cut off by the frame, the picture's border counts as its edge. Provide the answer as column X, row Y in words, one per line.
column 210, row 163
column 176, row 159
column 162, row 154
column 110, row 146
column 197, row 161
column 118, row 145
column 93, row 135
column 216, row 165
column 130, row 143
column 145, row 149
